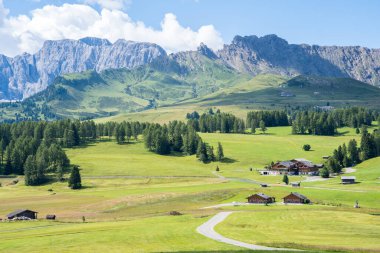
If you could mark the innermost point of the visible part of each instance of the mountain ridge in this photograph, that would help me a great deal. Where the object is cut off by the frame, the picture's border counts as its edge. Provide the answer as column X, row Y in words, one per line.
column 26, row 74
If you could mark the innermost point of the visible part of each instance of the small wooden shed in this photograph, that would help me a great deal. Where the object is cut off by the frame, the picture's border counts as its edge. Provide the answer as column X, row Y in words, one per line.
column 348, row 179
column 23, row 213
column 260, row 198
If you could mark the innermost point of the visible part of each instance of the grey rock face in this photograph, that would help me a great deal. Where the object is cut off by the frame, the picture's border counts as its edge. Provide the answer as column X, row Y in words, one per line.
column 24, row 75
column 271, row 54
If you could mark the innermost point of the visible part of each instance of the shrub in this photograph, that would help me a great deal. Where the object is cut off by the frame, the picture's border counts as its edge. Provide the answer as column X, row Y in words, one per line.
column 306, row 147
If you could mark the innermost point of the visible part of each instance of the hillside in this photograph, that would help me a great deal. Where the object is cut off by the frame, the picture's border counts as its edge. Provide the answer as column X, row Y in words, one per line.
column 265, row 92
column 91, row 94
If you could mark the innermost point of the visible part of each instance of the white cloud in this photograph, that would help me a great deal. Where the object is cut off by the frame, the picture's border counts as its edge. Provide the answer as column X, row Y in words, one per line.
column 74, row 21
column 110, row 4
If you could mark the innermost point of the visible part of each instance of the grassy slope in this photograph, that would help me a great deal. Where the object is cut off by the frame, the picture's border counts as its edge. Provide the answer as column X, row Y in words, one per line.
column 263, row 92
column 130, row 214
column 243, row 151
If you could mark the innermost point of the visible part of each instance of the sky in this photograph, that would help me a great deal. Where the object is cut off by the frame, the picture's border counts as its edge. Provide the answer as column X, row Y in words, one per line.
column 179, row 25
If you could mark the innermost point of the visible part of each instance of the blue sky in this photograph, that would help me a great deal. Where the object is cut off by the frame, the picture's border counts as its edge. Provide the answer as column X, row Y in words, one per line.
column 323, row 22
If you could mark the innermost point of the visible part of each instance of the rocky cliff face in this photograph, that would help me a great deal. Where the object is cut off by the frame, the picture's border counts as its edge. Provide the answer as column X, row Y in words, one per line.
column 27, row 74
column 271, row 54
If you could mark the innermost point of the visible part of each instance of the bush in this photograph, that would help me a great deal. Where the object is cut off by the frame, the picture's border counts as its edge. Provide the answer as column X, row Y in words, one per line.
column 175, row 213
column 306, row 147
column 324, row 172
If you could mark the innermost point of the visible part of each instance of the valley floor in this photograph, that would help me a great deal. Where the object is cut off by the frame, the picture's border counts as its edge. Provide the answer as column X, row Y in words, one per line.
column 129, row 192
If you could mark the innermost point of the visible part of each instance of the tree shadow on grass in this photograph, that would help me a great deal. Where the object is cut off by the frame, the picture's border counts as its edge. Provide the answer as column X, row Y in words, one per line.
column 229, row 160
column 342, row 133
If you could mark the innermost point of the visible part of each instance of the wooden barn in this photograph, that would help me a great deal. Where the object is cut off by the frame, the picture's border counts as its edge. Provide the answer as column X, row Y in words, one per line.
column 260, row 198
column 24, row 213
column 296, row 198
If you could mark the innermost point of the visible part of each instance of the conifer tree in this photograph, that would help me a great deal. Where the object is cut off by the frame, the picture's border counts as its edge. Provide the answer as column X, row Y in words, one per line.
column 75, row 181
column 285, row 179
column 263, row 128
column 202, row 152
column 333, row 165
column 367, row 146
column 33, row 174
column 219, row 152
column 353, row 152
column 210, row 153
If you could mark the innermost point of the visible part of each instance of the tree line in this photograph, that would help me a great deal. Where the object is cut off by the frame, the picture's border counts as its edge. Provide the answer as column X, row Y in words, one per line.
column 270, row 118
column 35, row 149
column 327, row 122
column 179, row 137
column 211, row 122
column 353, row 153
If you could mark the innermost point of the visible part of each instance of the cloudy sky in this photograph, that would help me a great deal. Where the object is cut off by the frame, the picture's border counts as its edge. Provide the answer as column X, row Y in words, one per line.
column 180, row 25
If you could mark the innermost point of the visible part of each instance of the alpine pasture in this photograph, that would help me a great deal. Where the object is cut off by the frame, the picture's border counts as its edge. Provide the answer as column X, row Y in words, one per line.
column 128, row 193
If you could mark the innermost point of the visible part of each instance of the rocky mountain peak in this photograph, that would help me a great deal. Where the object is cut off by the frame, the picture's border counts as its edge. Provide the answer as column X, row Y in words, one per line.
column 92, row 41
column 26, row 74
column 203, row 49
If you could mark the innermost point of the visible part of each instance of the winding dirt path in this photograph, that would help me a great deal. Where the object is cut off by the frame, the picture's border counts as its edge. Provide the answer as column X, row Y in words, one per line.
column 207, row 229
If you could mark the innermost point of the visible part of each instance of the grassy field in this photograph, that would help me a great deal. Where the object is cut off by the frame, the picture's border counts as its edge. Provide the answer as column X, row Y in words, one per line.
column 128, row 193
column 341, row 230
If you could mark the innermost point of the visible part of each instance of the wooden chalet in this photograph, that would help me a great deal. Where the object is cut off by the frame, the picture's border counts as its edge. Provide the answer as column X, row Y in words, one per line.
column 24, row 213
column 260, row 198
column 296, row 167
column 296, row 198
column 284, row 167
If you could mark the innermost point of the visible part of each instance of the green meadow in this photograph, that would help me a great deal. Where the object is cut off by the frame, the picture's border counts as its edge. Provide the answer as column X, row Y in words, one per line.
column 128, row 194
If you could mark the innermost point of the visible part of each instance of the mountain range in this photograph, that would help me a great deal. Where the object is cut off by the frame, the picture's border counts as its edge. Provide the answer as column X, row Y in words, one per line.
column 27, row 74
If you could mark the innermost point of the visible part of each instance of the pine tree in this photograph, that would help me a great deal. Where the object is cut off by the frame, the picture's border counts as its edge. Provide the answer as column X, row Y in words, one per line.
column 8, row 166
column 353, row 152
column 128, row 131
column 75, row 181
column 2, row 151
column 202, row 152
column 219, row 152
column 285, row 179
column 49, row 134
column 333, row 165
column 120, row 134
column 263, row 128
column 367, row 146
column 68, row 138
column 210, row 153
column 33, row 174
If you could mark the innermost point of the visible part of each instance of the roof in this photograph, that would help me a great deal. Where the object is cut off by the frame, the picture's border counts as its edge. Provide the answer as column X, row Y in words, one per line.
column 298, row 195
column 261, row 195
column 286, row 163
column 349, row 177
column 19, row 211
column 301, row 160
column 305, row 162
